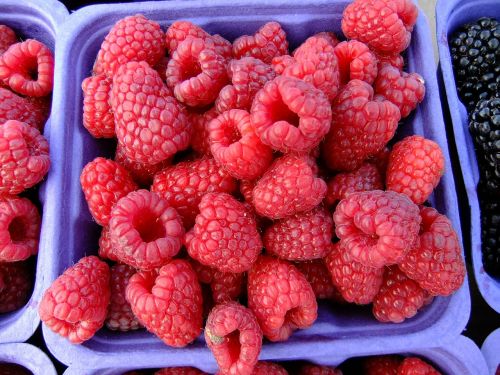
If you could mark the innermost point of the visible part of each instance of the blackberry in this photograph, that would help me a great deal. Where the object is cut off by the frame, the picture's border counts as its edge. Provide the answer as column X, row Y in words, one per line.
column 490, row 237
column 475, row 51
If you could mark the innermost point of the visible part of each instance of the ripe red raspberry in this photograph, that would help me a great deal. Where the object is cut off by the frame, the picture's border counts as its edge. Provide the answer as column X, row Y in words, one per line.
column 24, row 157
column 318, row 276
column 18, row 282
column 168, row 302
column 377, row 228
column 104, row 182
column 280, row 63
column 329, row 36
column 236, row 147
column 365, row 178
column 268, row 368
column 310, row 369
column 184, row 184
column 19, row 229
column 28, row 68
column 382, row 365
column 196, row 72
column 399, row 297
column 415, row 167
column 396, row 60
column 248, row 75
column 14, row 107
column 290, row 115
column 149, row 123
column 144, row 230
column 120, row 316
column 303, row 236
column 361, row 127
column 288, row 187
column 200, row 142
column 385, row 25
column 436, row 263
column 246, row 189
column 356, row 282
column 405, row 90
column 225, row 234
column 75, row 305
column 133, row 38
column 268, row 42
column 105, row 246
column 316, row 63
column 97, row 114
column 7, row 38
column 180, row 371
column 280, row 311
column 415, row 366
column 233, row 335
column 356, row 61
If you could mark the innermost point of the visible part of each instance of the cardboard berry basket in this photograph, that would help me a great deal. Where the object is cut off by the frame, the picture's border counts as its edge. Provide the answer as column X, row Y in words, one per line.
column 28, row 356
column 450, row 15
column 39, row 20
column 490, row 350
column 460, row 357
column 344, row 331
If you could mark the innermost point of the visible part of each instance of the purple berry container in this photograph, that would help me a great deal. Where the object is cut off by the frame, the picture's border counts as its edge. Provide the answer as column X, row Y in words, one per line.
column 346, row 331
column 39, row 20
column 460, row 357
column 450, row 15
column 28, row 356
column 491, row 351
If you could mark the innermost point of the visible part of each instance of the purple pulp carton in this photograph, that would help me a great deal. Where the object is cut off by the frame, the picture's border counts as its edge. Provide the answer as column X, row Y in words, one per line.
column 460, row 357
column 348, row 330
column 491, row 351
column 450, row 15
column 28, row 356
column 39, row 20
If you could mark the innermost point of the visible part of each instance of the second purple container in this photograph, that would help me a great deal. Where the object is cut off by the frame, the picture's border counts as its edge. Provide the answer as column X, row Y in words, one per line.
column 491, row 351
column 346, row 331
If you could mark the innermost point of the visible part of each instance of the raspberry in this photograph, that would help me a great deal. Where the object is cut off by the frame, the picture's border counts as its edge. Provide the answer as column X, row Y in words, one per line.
column 356, row 282
column 377, row 228
column 97, row 115
column 415, row 167
column 7, row 38
column 133, row 38
column 385, row 25
column 361, row 127
column 150, row 124
column 302, row 236
column 356, row 61
column 105, row 248
column 365, row 178
column 405, row 90
column 329, row 36
column 199, row 141
column 288, row 187
column 196, row 72
column 268, row 368
column 18, row 282
column 415, row 366
column 225, row 234
column 316, row 64
column 399, row 297
column 236, row 147
column 180, row 371
column 280, row 297
column 14, row 107
column 248, row 76
column 144, row 230
column 24, row 157
column 246, row 189
column 268, row 42
column 382, row 365
column 28, row 68
column 436, row 263
column 290, row 115
column 318, row 276
column 120, row 316
column 19, row 229
column 396, row 60
column 233, row 335
column 104, row 182
column 280, row 63
column 309, row 369
column 75, row 305
column 184, row 184
column 168, row 302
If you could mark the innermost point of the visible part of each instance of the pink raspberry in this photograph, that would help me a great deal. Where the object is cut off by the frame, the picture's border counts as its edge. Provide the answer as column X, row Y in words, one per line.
column 18, row 284
column 310, row 369
column 280, row 63
column 97, row 114
column 356, row 61
column 236, row 147
column 246, row 189
column 396, row 60
column 280, row 311
column 7, row 38
column 382, row 365
column 318, row 276
column 15, row 107
column 415, row 366
column 200, row 143
column 105, row 247
column 377, row 228
column 268, row 368
column 233, row 335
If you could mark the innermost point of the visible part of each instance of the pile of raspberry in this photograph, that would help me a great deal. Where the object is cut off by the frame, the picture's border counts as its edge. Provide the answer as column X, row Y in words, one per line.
column 249, row 181
column 26, row 77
